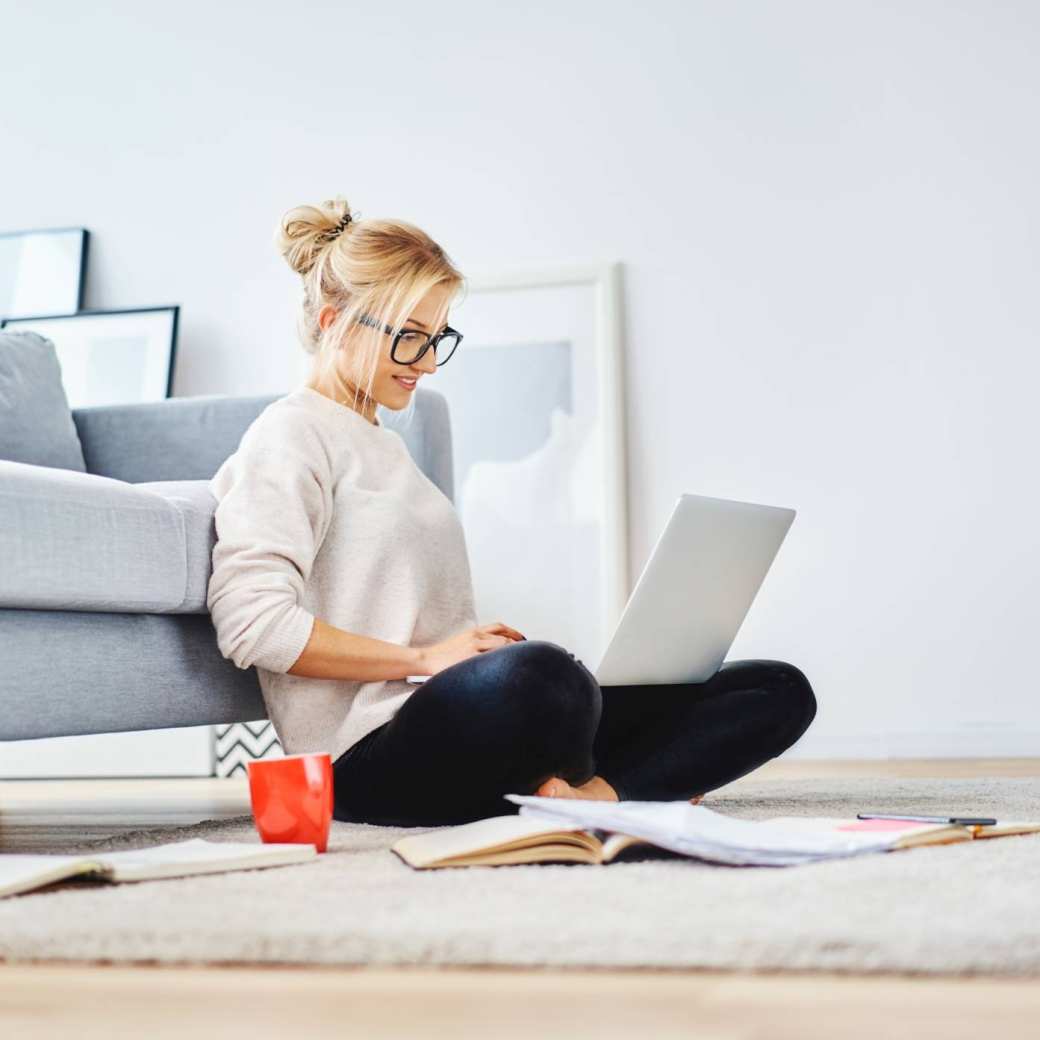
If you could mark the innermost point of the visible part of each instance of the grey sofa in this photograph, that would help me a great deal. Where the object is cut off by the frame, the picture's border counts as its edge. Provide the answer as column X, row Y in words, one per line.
column 105, row 551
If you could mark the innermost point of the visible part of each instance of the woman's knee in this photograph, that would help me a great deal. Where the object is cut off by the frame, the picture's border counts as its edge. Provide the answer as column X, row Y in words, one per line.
column 552, row 682
column 799, row 701
column 555, row 705
column 545, row 707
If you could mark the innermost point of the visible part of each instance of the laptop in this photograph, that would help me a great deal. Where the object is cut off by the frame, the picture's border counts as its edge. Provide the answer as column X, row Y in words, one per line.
column 694, row 592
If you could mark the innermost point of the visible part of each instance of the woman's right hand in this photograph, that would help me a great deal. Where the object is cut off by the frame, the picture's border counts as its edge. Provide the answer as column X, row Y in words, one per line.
column 467, row 643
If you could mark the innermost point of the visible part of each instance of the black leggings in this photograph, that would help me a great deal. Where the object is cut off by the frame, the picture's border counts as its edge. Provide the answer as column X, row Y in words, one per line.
column 506, row 720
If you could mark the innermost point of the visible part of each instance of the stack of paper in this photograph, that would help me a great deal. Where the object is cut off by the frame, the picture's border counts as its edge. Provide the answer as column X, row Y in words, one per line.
column 694, row 830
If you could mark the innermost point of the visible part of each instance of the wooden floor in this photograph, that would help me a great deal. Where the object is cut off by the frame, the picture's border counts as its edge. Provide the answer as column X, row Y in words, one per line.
column 86, row 1001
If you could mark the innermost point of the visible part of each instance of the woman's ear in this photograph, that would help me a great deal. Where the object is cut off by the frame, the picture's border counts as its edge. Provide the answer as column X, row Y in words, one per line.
column 326, row 316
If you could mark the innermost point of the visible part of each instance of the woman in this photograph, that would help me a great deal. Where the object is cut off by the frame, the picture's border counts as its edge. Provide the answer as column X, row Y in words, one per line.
column 340, row 569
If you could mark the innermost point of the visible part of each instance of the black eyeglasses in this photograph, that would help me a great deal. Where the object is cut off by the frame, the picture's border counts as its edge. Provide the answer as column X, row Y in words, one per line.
column 410, row 344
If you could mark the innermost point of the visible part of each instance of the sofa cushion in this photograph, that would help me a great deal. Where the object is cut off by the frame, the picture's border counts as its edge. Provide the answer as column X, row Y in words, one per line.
column 78, row 541
column 35, row 421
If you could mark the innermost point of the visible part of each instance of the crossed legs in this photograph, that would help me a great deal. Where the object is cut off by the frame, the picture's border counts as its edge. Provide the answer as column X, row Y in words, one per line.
column 512, row 719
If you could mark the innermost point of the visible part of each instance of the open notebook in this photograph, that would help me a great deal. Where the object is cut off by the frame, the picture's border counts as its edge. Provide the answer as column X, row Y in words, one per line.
column 24, row 872
column 578, row 831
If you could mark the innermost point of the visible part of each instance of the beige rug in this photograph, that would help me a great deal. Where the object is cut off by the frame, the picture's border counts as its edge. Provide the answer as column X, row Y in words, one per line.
column 960, row 909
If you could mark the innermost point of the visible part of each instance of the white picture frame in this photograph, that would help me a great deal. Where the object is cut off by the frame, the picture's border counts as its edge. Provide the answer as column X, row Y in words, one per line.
column 559, row 569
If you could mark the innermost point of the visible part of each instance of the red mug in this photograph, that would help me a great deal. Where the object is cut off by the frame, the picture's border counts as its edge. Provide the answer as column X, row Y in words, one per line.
column 292, row 798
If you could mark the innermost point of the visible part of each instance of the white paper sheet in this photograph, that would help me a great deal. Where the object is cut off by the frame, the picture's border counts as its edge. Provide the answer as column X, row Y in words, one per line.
column 695, row 830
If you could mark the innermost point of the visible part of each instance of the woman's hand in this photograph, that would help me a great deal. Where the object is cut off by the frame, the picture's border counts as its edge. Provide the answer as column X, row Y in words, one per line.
column 467, row 643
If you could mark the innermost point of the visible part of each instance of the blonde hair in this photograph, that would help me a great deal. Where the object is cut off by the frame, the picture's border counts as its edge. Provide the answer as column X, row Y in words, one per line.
column 379, row 269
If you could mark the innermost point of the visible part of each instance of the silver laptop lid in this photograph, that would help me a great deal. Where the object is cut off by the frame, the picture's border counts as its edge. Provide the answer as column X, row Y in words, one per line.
column 695, row 591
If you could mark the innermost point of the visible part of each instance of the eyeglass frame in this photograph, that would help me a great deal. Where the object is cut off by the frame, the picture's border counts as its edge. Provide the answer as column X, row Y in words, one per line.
column 430, row 341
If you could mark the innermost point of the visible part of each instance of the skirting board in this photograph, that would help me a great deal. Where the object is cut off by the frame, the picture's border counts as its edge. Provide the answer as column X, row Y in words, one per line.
column 183, row 751
column 975, row 743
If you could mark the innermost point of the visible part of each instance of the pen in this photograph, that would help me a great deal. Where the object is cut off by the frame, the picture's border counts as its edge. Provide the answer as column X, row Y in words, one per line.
column 984, row 821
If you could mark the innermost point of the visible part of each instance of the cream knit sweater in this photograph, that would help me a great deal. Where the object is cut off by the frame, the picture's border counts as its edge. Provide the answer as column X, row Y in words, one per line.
column 321, row 513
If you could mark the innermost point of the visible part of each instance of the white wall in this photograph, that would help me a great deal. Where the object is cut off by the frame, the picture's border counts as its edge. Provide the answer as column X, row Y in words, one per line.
column 828, row 217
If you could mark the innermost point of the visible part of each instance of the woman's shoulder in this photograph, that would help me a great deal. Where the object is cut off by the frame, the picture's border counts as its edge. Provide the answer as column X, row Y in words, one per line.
column 288, row 421
column 286, row 435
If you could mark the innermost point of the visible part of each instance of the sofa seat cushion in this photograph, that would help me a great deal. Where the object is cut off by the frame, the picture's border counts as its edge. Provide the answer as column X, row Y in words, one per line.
column 78, row 541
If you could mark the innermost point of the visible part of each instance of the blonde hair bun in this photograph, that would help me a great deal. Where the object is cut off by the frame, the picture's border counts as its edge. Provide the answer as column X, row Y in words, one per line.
column 306, row 230
column 378, row 268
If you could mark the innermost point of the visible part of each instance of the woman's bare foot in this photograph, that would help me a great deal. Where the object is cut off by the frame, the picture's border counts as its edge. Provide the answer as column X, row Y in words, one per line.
column 596, row 789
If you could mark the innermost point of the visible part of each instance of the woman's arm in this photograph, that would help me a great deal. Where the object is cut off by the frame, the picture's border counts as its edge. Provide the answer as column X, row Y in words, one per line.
column 274, row 501
column 332, row 653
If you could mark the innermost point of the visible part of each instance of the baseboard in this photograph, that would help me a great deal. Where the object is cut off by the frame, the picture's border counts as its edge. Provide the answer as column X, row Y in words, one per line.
column 976, row 743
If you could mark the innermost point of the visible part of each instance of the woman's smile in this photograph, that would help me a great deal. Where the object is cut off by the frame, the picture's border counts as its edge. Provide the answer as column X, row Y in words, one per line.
column 409, row 384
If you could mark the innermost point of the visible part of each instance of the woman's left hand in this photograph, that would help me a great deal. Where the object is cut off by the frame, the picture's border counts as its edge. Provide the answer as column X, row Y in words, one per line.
column 499, row 628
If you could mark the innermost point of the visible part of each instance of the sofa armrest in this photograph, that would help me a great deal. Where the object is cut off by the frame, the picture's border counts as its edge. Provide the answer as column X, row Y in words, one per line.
column 180, row 438
column 78, row 541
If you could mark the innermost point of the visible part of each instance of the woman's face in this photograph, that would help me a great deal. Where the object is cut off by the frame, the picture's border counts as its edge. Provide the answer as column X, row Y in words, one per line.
column 394, row 383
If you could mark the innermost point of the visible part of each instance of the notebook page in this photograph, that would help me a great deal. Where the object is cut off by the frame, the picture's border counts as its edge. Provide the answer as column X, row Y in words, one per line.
column 21, row 872
column 894, row 829
column 464, row 838
column 1002, row 827
column 198, row 856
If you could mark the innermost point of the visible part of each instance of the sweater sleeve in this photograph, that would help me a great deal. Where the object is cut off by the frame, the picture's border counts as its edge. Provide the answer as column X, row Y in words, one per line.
column 274, row 498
